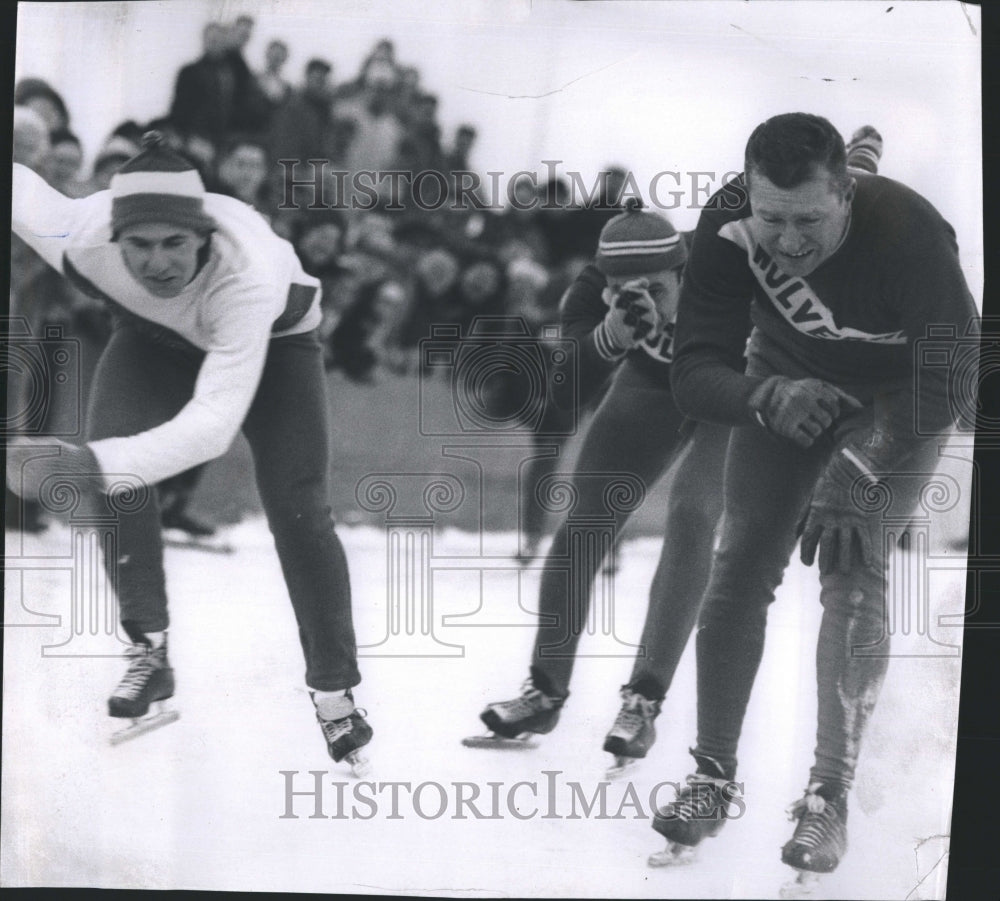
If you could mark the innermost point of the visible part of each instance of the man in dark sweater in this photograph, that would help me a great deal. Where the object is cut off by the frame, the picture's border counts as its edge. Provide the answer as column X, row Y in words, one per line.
column 619, row 313
column 835, row 276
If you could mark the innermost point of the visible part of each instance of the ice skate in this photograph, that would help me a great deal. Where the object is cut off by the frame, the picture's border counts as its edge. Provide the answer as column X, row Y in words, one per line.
column 182, row 530
column 179, row 520
column 345, row 729
column 512, row 723
column 633, row 733
column 864, row 150
column 149, row 679
column 161, row 715
column 673, row 855
column 211, row 545
column 699, row 812
column 820, row 838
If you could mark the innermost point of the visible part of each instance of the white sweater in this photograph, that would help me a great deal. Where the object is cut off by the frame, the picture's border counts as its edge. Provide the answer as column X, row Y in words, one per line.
column 228, row 310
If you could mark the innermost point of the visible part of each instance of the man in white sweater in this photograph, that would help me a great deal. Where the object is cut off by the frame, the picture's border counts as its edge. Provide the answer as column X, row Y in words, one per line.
column 215, row 331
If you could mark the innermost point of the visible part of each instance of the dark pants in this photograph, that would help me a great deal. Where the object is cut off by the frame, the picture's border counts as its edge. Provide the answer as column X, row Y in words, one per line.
column 140, row 384
column 768, row 485
column 553, row 433
column 636, row 430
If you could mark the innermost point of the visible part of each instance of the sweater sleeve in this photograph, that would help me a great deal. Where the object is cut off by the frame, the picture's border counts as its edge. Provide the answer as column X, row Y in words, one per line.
column 942, row 326
column 46, row 220
column 581, row 311
column 713, row 324
column 226, row 384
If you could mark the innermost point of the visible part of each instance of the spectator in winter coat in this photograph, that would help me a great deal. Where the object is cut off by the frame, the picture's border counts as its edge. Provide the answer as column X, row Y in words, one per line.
column 207, row 92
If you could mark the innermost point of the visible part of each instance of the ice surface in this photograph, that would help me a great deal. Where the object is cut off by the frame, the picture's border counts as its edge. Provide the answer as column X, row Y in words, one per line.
column 199, row 804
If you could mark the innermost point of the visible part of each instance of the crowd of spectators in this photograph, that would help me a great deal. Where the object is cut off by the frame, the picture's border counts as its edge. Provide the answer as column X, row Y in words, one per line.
column 391, row 267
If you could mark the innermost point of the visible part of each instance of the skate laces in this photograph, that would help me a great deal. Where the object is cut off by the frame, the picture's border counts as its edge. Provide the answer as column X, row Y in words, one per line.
column 531, row 701
column 701, row 796
column 334, row 729
column 144, row 662
column 817, row 817
column 637, row 710
column 810, row 802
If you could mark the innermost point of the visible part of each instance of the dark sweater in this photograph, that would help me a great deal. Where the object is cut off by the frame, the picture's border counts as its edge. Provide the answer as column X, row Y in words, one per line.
column 855, row 319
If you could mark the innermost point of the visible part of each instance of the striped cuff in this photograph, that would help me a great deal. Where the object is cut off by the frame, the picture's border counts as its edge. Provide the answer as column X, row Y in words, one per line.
column 605, row 348
column 860, row 463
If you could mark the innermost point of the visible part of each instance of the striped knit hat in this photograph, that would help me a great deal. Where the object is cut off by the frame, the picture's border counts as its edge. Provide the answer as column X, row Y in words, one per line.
column 158, row 185
column 638, row 241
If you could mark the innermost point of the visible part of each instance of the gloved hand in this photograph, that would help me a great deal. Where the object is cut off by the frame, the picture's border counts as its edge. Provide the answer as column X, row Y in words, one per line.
column 631, row 317
column 30, row 461
column 799, row 409
column 834, row 521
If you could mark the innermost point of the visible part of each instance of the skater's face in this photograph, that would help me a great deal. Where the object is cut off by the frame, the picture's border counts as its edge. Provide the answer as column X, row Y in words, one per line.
column 800, row 227
column 664, row 286
column 163, row 258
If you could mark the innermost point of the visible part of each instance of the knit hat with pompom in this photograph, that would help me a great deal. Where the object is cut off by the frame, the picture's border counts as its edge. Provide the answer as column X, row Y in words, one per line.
column 639, row 241
column 158, row 186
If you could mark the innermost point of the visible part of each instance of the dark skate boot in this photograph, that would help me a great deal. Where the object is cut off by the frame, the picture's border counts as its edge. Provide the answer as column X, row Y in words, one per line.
column 633, row 733
column 699, row 812
column 148, row 680
column 512, row 723
column 820, row 838
column 864, row 150
column 345, row 729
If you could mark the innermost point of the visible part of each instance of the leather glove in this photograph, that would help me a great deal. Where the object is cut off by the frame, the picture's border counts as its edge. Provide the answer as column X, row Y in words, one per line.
column 631, row 317
column 799, row 409
column 29, row 466
column 834, row 522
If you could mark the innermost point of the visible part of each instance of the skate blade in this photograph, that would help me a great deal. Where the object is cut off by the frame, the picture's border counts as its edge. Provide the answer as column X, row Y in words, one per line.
column 804, row 885
column 620, row 766
column 673, row 855
column 176, row 539
column 522, row 742
column 360, row 765
column 142, row 725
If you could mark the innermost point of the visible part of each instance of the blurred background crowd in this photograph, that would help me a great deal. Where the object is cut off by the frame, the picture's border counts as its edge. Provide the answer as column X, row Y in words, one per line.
column 390, row 267
column 389, row 271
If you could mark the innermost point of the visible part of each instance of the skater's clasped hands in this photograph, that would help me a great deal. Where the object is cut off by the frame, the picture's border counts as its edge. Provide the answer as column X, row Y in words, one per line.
column 632, row 315
column 800, row 409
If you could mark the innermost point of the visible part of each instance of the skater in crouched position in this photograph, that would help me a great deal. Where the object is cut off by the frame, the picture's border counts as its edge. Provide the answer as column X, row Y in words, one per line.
column 620, row 312
column 215, row 331
column 834, row 275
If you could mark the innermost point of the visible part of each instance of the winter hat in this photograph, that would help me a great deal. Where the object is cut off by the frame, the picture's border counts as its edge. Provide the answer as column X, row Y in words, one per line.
column 638, row 241
column 158, row 185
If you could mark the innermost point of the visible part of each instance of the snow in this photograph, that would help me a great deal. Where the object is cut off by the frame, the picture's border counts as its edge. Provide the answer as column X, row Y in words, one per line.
column 199, row 804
